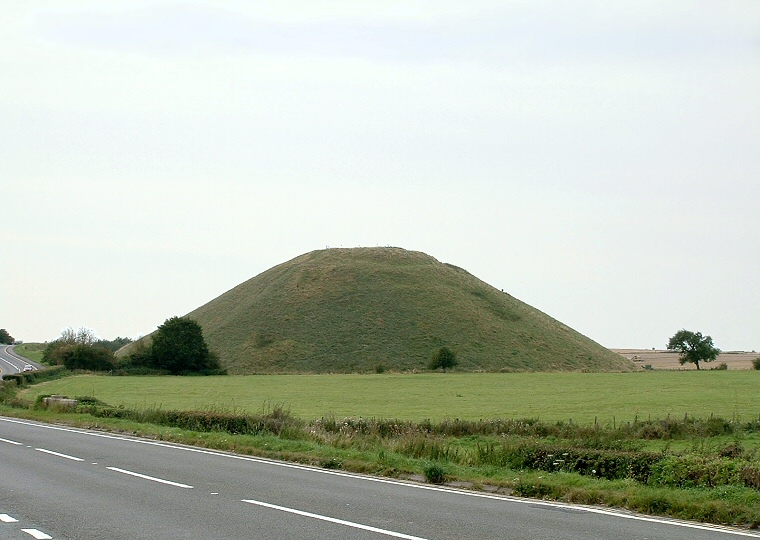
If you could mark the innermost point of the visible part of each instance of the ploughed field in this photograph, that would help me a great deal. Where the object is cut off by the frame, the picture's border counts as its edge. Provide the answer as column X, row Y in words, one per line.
column 664, row 359
column 584, row 398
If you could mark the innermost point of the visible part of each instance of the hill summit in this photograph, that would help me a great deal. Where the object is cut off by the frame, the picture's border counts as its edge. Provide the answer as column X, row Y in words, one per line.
column 366, row 309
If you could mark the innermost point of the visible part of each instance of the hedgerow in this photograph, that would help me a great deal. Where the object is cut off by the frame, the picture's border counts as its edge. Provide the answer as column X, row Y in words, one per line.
column 33, row 377
column 275, row 422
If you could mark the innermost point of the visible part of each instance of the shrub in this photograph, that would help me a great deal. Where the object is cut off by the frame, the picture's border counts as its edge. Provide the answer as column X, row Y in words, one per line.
column 443, row 358
column 750, row 475
column 178, row 346
column 275, row 422
column 330, row 463
column 87, row 357
column 756, row 363
column 40, row 375
column 695, row 471
column 435, row 474
column 533, row 454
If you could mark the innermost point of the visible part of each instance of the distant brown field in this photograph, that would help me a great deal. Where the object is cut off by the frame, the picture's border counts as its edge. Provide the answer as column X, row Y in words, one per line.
column 663, row 359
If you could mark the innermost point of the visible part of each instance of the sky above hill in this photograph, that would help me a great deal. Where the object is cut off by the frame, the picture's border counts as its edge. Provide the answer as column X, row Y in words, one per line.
column 599, row 161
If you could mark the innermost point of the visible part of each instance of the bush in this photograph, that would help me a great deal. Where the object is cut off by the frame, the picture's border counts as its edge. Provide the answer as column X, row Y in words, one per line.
column 756, row 363
column 750, row 475
column 536, row 455
column 696, row 471
column 87, row 357
column 179, row 348
column 40, row 375
column 443, row 358
column 435, row 474
column 275, row 422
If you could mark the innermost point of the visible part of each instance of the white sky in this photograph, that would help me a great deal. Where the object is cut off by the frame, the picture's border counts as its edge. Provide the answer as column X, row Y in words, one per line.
column 600, row 160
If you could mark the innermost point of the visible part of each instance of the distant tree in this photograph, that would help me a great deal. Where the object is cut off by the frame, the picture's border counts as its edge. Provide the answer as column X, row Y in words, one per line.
column 90, row 357
column 178, row 347
column 83, row 336
column 5, row 337
column 54, row 352
column 693, row 347
column 113, row 344
column 443, row 358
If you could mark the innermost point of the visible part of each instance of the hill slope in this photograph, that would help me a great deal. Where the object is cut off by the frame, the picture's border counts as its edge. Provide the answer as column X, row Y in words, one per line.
column 350, row 310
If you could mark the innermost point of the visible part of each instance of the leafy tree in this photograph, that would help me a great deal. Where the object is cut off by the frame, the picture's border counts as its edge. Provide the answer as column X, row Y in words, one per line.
column 443, row 358
column 693, row 347
column 5, row 337
column 178, row 347
column 114, row 344
column 80, row 356
column 55, row 350
column 83, row 336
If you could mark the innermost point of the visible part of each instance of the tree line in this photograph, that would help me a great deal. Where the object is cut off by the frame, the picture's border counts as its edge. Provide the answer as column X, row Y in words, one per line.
column 176, row 348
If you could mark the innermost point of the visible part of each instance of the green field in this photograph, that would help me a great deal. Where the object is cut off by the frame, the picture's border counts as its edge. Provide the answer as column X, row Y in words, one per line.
column 581, row 397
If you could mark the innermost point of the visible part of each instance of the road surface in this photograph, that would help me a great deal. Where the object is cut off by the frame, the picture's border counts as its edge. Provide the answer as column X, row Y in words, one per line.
column 64, row 483
column 11, row 362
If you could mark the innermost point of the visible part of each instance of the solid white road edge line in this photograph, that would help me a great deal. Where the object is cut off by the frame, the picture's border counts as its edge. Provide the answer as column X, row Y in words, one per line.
column 334, row 520
column 5, row 518
column 152, row 478
column 518, row 500
column 72, row 458
column 39, row 535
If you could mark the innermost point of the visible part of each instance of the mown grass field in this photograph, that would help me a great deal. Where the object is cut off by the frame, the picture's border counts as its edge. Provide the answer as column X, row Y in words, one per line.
column 581, row 397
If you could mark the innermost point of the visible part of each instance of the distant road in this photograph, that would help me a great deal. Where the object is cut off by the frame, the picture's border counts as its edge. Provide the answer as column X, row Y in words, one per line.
column 10, row 362
column 66, row 484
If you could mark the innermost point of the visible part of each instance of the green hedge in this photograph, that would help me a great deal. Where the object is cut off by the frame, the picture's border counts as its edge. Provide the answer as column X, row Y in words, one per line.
column 33, row 377
column 275, row 422
column 609, row 464
column 667, row 429
column 687, row 471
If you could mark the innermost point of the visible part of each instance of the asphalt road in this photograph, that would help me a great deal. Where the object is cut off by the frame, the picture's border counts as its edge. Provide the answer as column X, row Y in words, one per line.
column 10, row 362
column 63, row 483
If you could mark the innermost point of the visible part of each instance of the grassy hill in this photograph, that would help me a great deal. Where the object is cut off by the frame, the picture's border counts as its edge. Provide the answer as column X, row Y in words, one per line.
column 351, row 310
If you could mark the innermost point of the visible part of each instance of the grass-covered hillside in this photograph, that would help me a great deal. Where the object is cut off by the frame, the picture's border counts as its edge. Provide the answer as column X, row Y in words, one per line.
column 352, row 310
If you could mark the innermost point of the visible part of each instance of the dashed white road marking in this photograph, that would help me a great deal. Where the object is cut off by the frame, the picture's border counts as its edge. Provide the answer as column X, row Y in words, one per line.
column 39, row 535
column 11, row 442
column 72, row 458
column 151, row 478
column 335, row 520
column 5, row 518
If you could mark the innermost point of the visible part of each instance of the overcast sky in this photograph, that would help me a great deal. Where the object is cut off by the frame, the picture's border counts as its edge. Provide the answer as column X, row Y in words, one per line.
column 599, row 161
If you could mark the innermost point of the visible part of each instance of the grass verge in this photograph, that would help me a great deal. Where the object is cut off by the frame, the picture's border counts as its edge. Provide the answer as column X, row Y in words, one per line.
column 560, row 461
column 32, row 351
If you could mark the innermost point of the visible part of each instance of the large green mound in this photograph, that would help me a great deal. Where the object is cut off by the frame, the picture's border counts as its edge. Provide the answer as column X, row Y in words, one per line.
column 352, row 310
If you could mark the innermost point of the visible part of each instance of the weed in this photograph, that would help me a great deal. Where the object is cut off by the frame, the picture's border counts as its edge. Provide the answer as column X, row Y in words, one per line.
column 435, row 474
